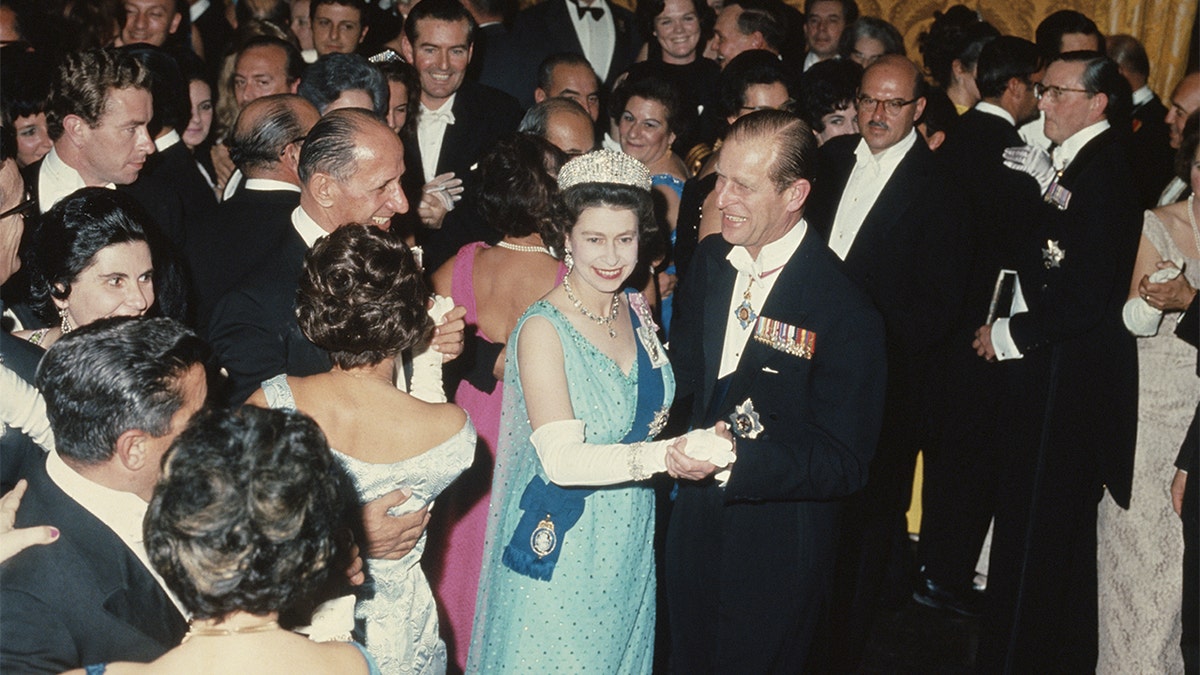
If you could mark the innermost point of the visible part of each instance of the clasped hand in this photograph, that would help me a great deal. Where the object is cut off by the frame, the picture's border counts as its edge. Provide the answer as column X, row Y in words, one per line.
column 681, row 466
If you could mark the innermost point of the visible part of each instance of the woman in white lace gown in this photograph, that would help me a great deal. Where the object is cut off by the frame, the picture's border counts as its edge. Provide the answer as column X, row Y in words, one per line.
column 1140, row 550
column 362, row 299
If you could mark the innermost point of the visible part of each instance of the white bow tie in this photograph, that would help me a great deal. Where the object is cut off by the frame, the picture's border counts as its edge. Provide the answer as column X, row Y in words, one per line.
column 441, row 115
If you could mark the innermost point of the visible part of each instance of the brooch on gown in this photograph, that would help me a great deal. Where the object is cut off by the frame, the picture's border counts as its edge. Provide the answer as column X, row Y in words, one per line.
column 744, row 422
column 1052, row 255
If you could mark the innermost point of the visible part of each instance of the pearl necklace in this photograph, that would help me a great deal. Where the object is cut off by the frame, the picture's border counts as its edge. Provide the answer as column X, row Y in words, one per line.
column 523, row 248
column 606, row 321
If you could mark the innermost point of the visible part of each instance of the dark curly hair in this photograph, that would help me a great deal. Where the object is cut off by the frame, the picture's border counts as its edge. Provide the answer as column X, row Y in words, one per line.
column 84, row 82
column 958, row 34
column 244, row 515
column 71, row 234
column 659, row 90
column 361, row 296
column 578, row 198
column 517, row 190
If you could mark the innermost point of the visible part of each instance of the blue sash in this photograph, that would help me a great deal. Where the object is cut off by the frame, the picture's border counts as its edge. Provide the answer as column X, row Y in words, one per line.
column 551, row 510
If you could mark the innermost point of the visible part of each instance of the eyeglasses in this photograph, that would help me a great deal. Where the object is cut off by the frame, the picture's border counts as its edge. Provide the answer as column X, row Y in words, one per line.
column 23, row 209
column 892, row 106
column 1041, row 91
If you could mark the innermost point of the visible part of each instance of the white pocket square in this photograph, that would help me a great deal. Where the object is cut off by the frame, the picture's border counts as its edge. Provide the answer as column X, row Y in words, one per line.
column 769, row 369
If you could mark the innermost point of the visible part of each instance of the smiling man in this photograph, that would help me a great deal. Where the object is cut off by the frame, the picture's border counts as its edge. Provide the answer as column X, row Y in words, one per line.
column 150, row 21
column 97, row 114
column 885, row 211
column 824, row 21
column 800, row 373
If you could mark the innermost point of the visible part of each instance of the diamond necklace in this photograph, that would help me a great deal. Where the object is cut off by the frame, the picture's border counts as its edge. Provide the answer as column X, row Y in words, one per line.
column 606, row 321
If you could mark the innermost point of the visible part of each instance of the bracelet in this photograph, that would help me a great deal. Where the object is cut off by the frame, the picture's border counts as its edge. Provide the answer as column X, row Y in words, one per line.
column 636, row 470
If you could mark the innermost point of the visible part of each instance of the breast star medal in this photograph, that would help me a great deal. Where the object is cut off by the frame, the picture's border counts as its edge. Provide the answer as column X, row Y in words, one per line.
column 543, row 540
column 1052, row 255
column 744, row 421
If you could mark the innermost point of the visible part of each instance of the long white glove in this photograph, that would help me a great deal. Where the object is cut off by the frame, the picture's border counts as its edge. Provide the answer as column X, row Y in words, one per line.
column 1033, row 161
column 427, row 365
column 1140, row 318
column 22, row 407
column 570, row 461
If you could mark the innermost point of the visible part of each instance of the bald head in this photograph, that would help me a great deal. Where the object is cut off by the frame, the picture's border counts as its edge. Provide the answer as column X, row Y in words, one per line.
column 1185, row 100
column 891, row 98
column 563, row 122
column 268, row 135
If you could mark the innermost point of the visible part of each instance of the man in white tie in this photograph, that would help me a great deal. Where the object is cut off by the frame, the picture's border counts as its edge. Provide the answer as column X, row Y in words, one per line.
column 459, row 120
column 1062, row 446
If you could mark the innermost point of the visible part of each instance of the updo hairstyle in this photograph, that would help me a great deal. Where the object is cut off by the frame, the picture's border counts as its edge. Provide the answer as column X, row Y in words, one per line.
column 244, row 515
column 361, row 297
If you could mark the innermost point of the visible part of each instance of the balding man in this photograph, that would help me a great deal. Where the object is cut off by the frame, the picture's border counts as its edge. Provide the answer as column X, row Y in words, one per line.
column 98, row 115
column 1185, row 100
column 1061, row 449
column 748, row 24
column 884, row 209
column 265, row 145
column 349, row 170
column 563, row 122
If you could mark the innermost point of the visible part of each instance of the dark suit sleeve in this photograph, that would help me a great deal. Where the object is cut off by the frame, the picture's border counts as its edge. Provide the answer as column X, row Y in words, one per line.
column 1188, row 328
column 828, row 452
column 245, row 343
column 35, row 641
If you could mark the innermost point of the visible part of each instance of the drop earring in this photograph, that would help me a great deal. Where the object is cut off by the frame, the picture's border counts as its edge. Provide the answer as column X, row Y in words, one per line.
column 67, row 327
column 568, row 261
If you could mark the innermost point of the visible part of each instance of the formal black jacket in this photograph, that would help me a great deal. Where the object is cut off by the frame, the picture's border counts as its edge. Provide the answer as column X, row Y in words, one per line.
column 253, row 329
column 545, row 29
column 174, row 172
column 1150, row 151
column 749, row 565
column 246, row 230
column 18, row 453
column 84, row 599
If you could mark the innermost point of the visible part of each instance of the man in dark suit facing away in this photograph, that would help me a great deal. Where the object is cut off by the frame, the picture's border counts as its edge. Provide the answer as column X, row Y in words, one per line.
column 772, row 338
column 117, row 393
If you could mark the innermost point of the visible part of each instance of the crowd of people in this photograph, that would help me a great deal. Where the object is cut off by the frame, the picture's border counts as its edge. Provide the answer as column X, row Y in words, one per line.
column 437, row 336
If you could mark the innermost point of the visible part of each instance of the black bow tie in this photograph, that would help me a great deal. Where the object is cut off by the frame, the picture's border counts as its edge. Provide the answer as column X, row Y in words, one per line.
column 581, row 11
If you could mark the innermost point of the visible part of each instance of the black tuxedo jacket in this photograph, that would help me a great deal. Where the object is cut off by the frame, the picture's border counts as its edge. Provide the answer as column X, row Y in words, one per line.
column 545, row 29
column 174, row 170
column 1150, row 151
column 84, row 599
column 244, row 232
column 911, row 253
column 749, row 566
column 253, row 329
column 18, row 453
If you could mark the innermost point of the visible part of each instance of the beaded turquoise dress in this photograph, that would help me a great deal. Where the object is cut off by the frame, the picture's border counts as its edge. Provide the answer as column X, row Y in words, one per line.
column 596, row 614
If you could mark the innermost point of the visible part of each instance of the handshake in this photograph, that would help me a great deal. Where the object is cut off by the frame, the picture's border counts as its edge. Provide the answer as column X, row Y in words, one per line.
column 687, row 455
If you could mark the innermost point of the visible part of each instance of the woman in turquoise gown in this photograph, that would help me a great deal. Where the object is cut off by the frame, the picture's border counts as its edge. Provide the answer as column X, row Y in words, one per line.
column 568, row 571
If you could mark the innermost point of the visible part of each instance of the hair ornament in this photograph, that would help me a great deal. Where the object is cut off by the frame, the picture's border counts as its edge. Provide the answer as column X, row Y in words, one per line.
column 604, row 166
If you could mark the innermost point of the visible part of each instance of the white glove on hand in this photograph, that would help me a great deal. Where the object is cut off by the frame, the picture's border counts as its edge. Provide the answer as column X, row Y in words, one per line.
column 1140, row 318
column 570, row 461
column 446, row 188
column 1033, row 161
column 427, row 365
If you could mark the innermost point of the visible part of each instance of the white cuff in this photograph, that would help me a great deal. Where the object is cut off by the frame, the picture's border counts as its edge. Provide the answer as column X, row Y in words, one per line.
column 1002, row 342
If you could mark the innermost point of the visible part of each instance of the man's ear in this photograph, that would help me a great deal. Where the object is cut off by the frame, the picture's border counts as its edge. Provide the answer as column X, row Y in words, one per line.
column 363, row 35
column 131, row 449
column 175, row 23
column 919, row 107
column 539, row 95
column 757, row 41
column 75, row 128
column 406, row 48
column 935, row 140
column 797, row 194
column 325, row 189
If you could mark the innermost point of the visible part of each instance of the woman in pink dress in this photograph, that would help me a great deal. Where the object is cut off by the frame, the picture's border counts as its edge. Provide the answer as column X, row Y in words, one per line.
column 496, row 283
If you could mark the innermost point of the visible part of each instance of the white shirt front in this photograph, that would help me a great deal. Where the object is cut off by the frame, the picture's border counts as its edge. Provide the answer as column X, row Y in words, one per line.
column 597, row 38
column 759, row 276
column 431, row 129
column 1065, row 153
column 121, row 512
column 870, row 174
column 1142, row 95
column 57, row 180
